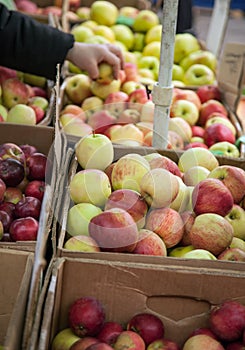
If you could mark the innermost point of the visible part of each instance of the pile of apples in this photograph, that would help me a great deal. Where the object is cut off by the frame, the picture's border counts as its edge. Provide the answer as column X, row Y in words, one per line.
column 148, row 204
column 124, row 111
column 89, row 329
column 23, row 97
column 138, row 33
column 22, row 186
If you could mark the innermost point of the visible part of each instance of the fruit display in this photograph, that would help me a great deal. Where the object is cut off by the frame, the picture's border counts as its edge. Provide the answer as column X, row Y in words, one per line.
column 24, row 98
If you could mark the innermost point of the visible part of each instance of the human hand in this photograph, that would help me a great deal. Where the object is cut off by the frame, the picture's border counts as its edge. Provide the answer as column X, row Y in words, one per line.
column 87, row 57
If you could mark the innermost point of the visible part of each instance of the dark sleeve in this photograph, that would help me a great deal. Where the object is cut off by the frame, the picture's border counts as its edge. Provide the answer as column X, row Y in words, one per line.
column 30, row 46
column 184, row 17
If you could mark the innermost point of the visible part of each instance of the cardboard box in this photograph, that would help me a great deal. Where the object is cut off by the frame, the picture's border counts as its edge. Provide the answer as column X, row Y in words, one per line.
column 15, row 277
column 181, row 297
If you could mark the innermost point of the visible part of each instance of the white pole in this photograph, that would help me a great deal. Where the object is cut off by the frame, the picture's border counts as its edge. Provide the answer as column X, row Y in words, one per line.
column 162, row 91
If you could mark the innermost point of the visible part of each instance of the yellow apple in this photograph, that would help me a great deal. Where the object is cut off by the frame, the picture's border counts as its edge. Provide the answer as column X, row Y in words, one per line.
column 124, row 34
column 104, row 12
column 103, row 90
column 145, row 20
column 64, row 339
column 152, row 49
column 154, row 34
column 81, row 33
column 197, row 156
column 105, row 31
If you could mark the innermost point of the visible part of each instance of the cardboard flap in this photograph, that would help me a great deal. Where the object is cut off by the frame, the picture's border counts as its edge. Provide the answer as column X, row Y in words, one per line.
column 231, row 73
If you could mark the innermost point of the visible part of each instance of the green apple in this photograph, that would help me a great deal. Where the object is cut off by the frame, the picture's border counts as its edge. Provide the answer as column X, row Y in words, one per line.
column 185, row 109
column 145, row 20
column 90, row 186
column 3, row 112
column 150, row 62
column 77, row 88
column 90, row 24
column 81, row 243
column 197, row 156
column 177, row 72
column 104, row 12
column 34, row 80
column 225, row 148
column 39, row 101
column 237, row 243
column 185, row 43
column 178, row 252
column 94, row 151
column 124, row 34
column 195, row 174
column 81, row 33
column 199, row 74
column 201, row 57
column 139, row 42
column 21, row 114
column 79, row 216
column 199, row 254
column 154, row 34
column 183, row 197
column 152, row 49
column 236, row 218
column 64, row 340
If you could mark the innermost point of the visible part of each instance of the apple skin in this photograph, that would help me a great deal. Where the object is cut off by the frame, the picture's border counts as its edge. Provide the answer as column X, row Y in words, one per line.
column 225, row 148
column 104, row 13
column 101, row 120
column 83, row 343
column 238, row 345
column 2, row 189
column 186, row 94
column 210, row 107
column 90, row 186
column 28, row 150
column 150, row 327
column 24, row 229
column 233, row 178
column 185, row 43
column 236, row 218
column 64, row 339
column 232, row 254
column 159, row 187
column 86, row 316
column 11, row 150
column 28, row 206
column 7, row 73
column 211, row 232
column 12, row 172
column 165, row 163
column 129, row 339
column 197, row 130
column 186, row 110
column 199, row 74
column 194, row 175
column 197, row 156
column 199, row 254
column 127, row 134
column 35, row 188
column 182, row 128
column 188, row 218
column 21, row 114
column 94, row 151
column 114, row 230
column 227, row 320
column 13, row 195
column 128, row 116
column 77, row 88
column 175, row 140
column 202, row 342
column 6, row 218
column 237, row 243
column 167, row 223
column 218, row 133
column 220, row 119
column 203, row 330
column 14, row 92
column 92, row 104
column 163, row 344
column 8, row 207
column 109, row 332
column 211, row 196
column 131, row 201
column 99, row 346
column 180, row 251
column 137, row 98
column 150, row 243
column 81, row 243
column 36, row 166
column 103, row 90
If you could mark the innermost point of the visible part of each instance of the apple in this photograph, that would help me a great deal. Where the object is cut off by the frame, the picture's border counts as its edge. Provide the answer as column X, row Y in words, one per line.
column 109, row 332
column 7, row 73
column 208, row 92
column 114, row 230
column 81, row 33
column 197, row 130
column 94, row 151
column 130, row 86
column 100, row 346
column 186, row 110
column 236, row 217
column 147, row 112
column 92, row 104
column 14, row 92
column 36, row 166
column 127, row 134
column 90, row 186
column 103, row 90
column 75, row 110
column 38, row 91
column 194, row 175
column 194, row 144
column 186, row 94
column 11, row 150
column 211, row 196
column 28, row 206
column 116, row 102
column 188, row 218
column 124, row 34
column 163, row 344
column 86, row 316
column 150, row 62
column 6, row 219
column 21, row 114
column 197, row 156
column 152, row 49
column 131, row 201
column 199, row 254
column 39, row 112
column 104, row 12
column 159, row 187
column 105, row 72
column 81, row 243
column 204, row 57
column 77, row 127
column 145, row 20
column 150, row 327
column 64, row 339
column 24, row 229
column 128, row 116
column 83, row 12
column 177, row 72
column 220, row 119
column 137, row 98
column 13, row 195
column 139, row 42
column 97, row 39
column 180, row 251
column 233, row 178
column 227, row 320
column 150, row 243
column 165, row 163
column 218, row 132
column 129, row 339
column 225, row 148
column 232, row 254
column 77, row 88
column 181, row 127
column 12, row 172
column 209, row 107
column 175, row 141
column 202, row 342
column 28, row 150
column 211, row 232
column 84, row 343
column 145, row 127
column 185, row 43
column 154, row 34
column 131, row 71
column 2, row 189
column 204, row 330
column 67, row 118
column 128, row 172
column 235, row 243
column 106, row 32
column 128, row 11
column 235, row 346
column 199, row 74
column 182, row 199
column 3, row 113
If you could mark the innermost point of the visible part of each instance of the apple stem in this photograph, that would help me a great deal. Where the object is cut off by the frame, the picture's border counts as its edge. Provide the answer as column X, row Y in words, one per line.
column 93, row 132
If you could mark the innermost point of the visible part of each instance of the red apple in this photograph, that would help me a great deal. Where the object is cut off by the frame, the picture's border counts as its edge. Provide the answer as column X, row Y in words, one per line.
column 150, row 243
column 167, row 223
column 13, row 195
column 12, row 172
column 7, row 73
column 150, row 327
column 14, row 92
column 235, row 346
column 109, row 332
column 188, row 218
column 86, row 316
column 83, row 343
column 203, row 330
column 186, row 94
column 165, row 163
column 131, row 71
column 28, row 150
column 208, row 108
column 197, row 130
column 35, row 189
column 114, row 230
column 129, row 339
column 163, row 344
column 28, row 206
column 101, row 120
column 38, row 91
column 131, row 201
column 8, row 207
column 11, row 150
column 218, row 132
column 39, row 112
column 24, row 229
column 208, row 92
column 195, row 144
column 2, row 189
column 36, row 166
column 137, row 98
column 227, row 320
column 99, row 346
column 211, row 196
column 6, row 219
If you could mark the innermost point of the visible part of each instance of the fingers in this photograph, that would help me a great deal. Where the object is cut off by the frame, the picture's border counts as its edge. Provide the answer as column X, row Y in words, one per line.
column 118, row 52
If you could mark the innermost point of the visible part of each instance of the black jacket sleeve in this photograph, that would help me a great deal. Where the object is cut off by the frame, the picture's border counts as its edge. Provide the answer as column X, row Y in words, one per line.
column 29, row 46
